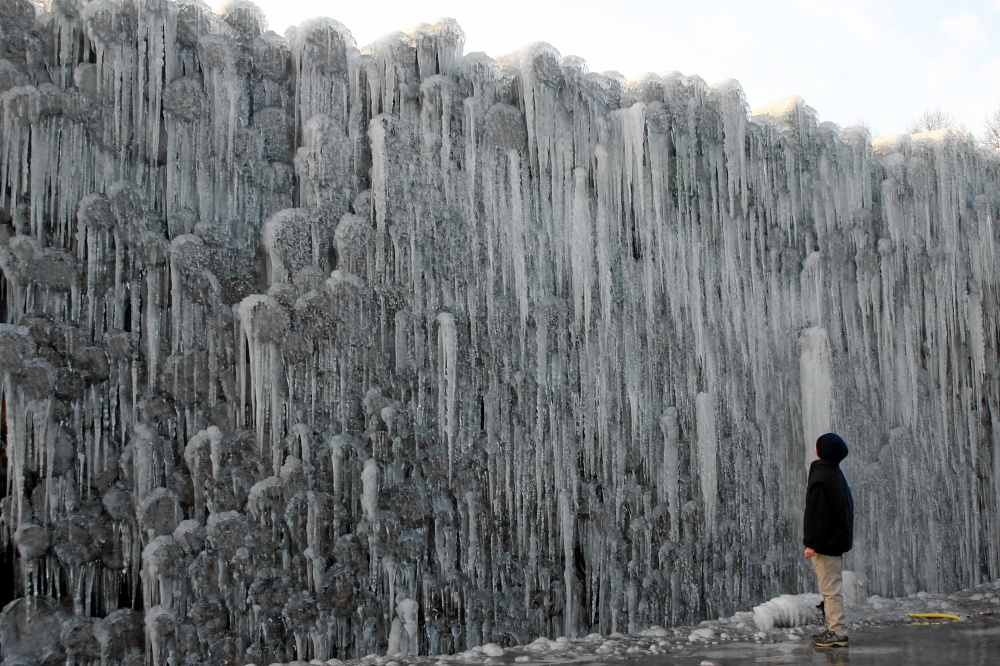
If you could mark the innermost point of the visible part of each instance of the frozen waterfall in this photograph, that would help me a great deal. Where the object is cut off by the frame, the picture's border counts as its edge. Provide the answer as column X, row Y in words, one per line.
column 313, row 351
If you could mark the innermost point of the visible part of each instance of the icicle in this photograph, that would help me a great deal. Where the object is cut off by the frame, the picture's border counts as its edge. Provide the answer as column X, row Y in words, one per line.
column 369, row 496
column 407, row 610
column 815, row 378
column 447, row 388
column 670, row 478
column 708, row 473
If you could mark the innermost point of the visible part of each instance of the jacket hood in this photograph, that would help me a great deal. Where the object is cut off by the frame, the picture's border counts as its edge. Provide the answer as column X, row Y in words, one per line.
column 831, row 447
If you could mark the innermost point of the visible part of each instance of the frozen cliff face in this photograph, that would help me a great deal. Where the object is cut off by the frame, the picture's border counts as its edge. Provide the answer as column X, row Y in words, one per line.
column 311, row 351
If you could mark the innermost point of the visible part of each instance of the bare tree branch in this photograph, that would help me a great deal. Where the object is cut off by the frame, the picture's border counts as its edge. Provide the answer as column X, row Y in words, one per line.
column 935, row 119
column 991, row 127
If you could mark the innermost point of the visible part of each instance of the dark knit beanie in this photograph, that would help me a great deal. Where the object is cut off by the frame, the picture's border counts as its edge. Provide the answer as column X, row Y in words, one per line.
column 832, row 447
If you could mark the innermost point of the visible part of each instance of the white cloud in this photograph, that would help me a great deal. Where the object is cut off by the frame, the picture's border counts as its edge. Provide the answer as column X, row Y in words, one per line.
column 964, row 28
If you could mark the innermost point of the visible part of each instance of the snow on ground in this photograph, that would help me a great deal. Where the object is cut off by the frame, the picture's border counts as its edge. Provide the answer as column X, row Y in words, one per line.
column 789, row 618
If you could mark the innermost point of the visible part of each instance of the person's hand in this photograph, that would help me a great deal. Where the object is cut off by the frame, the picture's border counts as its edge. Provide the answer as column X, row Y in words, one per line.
column 810, row 553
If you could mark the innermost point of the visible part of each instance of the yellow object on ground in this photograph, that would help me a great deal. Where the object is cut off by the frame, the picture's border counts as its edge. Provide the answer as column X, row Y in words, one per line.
column 926, row 618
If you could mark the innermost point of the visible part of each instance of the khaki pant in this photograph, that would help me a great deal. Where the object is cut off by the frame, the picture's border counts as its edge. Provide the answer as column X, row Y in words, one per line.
column 829, row 574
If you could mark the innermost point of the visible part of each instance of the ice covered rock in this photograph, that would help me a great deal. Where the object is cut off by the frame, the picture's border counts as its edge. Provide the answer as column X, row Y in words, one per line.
column 16, row 347
column 79, row 639
column 30, row 629
column 159, row 513
column 32, row 541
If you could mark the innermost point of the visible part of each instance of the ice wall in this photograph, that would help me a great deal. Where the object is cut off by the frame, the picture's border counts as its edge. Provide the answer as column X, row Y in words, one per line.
column 313, row 351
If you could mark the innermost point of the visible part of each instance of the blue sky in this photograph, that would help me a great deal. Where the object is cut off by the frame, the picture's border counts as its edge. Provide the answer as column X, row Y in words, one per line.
column 881, row 61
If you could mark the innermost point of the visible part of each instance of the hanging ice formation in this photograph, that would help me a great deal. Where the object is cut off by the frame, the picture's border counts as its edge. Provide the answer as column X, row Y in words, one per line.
column 312, row 351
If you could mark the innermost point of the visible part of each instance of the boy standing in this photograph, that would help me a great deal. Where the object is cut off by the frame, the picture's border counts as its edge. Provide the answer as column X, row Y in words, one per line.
column 828, row 532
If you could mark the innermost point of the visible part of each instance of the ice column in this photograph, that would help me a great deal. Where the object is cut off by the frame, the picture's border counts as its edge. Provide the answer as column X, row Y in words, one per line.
column 708, row 456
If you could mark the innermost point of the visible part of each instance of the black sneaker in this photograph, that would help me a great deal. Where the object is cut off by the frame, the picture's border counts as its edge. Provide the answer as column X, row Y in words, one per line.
column 829, row 639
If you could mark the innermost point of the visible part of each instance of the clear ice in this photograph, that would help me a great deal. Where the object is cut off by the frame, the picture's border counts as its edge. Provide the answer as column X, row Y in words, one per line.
column 311, row 351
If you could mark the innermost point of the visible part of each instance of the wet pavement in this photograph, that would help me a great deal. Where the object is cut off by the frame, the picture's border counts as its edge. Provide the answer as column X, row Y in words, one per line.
column 967, row 643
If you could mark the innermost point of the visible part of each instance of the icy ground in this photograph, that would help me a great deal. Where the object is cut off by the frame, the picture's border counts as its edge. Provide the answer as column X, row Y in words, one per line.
column 876, row 626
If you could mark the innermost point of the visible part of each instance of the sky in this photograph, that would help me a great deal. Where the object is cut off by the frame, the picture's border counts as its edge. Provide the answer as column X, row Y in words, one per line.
column 881, row 63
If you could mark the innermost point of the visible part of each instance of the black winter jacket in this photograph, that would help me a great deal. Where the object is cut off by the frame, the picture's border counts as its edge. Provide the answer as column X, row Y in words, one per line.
column 828, row 524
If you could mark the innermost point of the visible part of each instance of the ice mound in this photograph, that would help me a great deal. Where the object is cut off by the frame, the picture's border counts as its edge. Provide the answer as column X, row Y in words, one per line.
column 788, row 610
